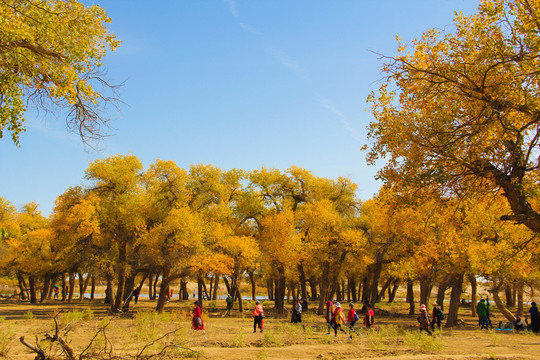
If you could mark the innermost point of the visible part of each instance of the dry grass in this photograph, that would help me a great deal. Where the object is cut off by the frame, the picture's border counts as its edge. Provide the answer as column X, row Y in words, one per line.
column 396, row 334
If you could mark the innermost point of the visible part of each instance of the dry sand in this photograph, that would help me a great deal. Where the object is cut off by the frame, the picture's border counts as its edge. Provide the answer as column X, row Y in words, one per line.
column 232, row 337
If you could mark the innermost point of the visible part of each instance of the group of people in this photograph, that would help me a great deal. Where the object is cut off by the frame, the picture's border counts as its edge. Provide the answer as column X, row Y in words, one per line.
column 437, row 316
column 335, row 317
column 483, row 312
column 484, row 318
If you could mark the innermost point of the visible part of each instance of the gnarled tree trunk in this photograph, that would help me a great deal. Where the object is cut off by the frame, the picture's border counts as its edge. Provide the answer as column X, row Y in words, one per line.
column 498, row 302
column 455, row 300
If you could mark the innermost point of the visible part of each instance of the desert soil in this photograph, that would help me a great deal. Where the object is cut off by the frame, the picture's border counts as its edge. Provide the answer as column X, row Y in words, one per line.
column 395, row 336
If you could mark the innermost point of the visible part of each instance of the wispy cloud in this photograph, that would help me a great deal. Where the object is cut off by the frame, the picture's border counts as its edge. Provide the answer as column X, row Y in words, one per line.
column 232, row 7
column 330, row 106
column 250, row 29
column 287, row 61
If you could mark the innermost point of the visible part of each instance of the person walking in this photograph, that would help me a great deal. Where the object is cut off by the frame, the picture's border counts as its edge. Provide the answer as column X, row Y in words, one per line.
column 298, row 312
column 329, row 315
column 136, row 292
column 369, row 317
column 258, row 317
column 481, row 310
column 339, row 319
column 535, row 320
column 352, row 318
column 423, row 319
column 229, row 301
column 436, row 317
column 197, row 321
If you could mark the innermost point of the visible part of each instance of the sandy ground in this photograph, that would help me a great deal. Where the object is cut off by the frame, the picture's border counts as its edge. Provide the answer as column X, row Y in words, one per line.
column 233, row 337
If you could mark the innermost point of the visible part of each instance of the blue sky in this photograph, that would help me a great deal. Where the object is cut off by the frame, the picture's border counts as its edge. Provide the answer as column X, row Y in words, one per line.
column 233, row 83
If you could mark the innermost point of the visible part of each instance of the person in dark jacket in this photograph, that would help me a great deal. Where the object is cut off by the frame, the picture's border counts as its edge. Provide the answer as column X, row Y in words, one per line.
column 436, row 317
column 533, row 315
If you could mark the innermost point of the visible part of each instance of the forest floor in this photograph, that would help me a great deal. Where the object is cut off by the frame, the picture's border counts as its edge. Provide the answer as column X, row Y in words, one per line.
column 395, row 336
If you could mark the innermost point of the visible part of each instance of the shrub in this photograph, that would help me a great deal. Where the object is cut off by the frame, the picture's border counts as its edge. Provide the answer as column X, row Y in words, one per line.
column 271, row 339
column 6, row 335
column 262, row 354
column 148, row 323
column 73, row 316
column 29, row 315
column 423, row 342
column 239, row 340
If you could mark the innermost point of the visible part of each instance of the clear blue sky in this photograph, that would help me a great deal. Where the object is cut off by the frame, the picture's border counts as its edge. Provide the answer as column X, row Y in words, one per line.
column 233, row 83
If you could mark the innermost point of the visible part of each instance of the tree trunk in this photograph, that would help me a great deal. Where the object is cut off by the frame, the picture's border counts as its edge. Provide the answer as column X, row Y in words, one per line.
column 441, row 289
column 384, row 288
column 150, row 289
column 240, row 300
column 200, row 284
column 32, row 288
column 425, row 290
column 83, row 285
column 313, row 288
column 503, row 309
column 302, row 276
column 410, row 296
column 352, row 287
column 520, row 309
column 45, row 288
column 164, row 291
column 93, row 287
column 253, row 286
column 375, row 280
column 216, row 287
column 280, row 288
column 474, row 293
column 365, row 281
column 121, row 278
column 184, row 294
column 211, row 286
column 51, row 287
column 393, row 292
column 141, row 283
column 228, row 286
column 455, row 300
column 338, row 292
column 64, row 287
column 270, row 289
column 509, row 297
column 154, row 286
column 324, row 287
column 71, row 286
column 22, row 286
column 128, row 291
column 206, row 294
column 109, row 295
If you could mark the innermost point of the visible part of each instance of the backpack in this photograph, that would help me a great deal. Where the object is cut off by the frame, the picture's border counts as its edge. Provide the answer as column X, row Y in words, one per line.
column 439, row 314
column 356, row 318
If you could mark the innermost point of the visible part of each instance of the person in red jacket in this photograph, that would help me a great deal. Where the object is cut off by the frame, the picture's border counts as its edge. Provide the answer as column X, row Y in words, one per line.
column 197, row 321
column 369, row 316
column 329, row 315
column 258, row 315
column 352, row 318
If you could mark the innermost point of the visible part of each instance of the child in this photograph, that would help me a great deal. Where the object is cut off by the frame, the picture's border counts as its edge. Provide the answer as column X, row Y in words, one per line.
column 352, row 317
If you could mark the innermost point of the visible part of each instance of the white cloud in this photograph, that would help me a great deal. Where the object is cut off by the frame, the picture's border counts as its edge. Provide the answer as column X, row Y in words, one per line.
column 287, row 61
column 330, row 106
column 250, row 29
column 232, row 7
